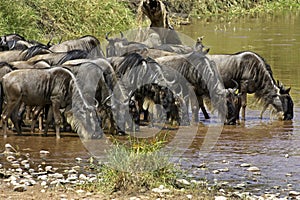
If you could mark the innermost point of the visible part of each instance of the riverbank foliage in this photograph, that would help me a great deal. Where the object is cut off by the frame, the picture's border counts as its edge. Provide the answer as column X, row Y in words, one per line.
column 231, row 8
column 63, row 19
column 67, row 19
column 135, row 165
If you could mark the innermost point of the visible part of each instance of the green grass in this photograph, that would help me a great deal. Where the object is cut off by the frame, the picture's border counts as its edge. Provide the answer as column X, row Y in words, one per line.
column 135, row 165
column 63, row 19
column 42, row 20
column 232, row 8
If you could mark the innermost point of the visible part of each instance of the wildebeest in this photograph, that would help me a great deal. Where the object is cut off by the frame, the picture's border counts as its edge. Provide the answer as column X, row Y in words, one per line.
column 18, row 55
column 88, row 43
column 100, row 80
column 253, row 75
column 203, row 76
column 56, row 87
column 122, row 47
column 137, row 74
column 18, row 42
column 58, row 58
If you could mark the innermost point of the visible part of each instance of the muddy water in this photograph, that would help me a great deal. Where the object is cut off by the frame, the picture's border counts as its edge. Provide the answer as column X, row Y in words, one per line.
column 272, row 146
column 262, row 143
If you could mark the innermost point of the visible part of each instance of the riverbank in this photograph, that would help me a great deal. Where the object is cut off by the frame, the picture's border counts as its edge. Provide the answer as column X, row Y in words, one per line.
column 46, row 20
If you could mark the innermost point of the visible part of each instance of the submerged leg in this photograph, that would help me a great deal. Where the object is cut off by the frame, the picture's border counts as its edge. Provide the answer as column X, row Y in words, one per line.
column 262, row 111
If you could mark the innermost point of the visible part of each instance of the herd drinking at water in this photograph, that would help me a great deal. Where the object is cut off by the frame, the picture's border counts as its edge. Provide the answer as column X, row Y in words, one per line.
column 74, row 82
column 159, row 79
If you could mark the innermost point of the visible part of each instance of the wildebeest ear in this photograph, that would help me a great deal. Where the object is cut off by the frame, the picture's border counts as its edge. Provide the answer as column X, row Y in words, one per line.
column 288, row 90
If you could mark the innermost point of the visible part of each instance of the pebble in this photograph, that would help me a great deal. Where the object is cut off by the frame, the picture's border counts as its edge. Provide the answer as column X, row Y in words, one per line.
column 220, row 198
column 48, row 168
column 44, row 152
column 253, row 169
column 161, row 189
column 216, row 171
column 245, row 165
column 288, row 174
column 20, row 188
column 287, row 155
column 80, row 191
column 294, row 193
column 183, row 181
column 10, row 158
column 189, row 196
column 43, row 183
column 224, row 170
column 78, row 159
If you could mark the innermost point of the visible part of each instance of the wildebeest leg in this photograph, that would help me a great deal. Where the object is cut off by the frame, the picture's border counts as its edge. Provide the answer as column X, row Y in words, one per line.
column 36, row 113
column 263, row 110
column 8, row 110
column 57, row 117
column 201, row 105
column 244, row 86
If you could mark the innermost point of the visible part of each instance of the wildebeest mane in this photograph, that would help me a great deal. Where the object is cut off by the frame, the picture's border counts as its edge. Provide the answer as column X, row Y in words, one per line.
column 34, row 50
column 130, row 61
column 260, row 72
column 72, row 55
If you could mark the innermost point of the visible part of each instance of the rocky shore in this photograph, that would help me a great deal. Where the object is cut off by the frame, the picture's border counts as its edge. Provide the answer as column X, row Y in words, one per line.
column 21, row 178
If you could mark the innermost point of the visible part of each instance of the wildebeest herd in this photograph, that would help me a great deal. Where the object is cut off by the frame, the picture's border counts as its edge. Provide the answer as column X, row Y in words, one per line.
column 75, row 83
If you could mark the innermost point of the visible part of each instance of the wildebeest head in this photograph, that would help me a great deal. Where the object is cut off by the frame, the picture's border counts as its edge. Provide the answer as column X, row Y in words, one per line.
column 287, row 102
column 233, row 102
column 114, row 44
column 87, row 122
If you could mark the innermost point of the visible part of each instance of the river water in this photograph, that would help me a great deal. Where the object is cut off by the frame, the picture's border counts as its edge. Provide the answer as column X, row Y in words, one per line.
column 272, row 146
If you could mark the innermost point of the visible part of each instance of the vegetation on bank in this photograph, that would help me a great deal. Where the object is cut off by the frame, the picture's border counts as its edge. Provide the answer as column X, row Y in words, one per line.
column 230, row 8
column 65, row 19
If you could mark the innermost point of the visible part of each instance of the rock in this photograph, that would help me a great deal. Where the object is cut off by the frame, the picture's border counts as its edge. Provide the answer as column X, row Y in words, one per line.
column 44, row 152
column 48, row 168
column 288, row 174
column 20, row 188
column 220, row 198
column 43, row 183
column 287, row 155
column 224, row 170
column 216, row 171
column 10, row 158
column 161, row 189
column 253, row 169
column 189, row 196
column 78, row 159
column 82, row 177
column 294, row 193
column 42, row 177
column 245, row 165
column 24, row 162
column 183, row 181
column 56, row 175
column 15, row 165
column 80, row 191
column 19, row 170
column 240, row 186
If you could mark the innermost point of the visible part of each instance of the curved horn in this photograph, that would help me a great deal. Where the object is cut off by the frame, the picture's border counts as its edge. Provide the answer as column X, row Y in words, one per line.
column 236, row 85
column 106, row 35
column 96, row 103
column 121, row 33
column 13, row 45
column 106, row 99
